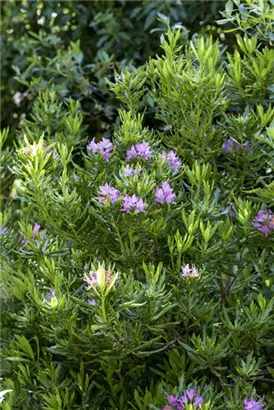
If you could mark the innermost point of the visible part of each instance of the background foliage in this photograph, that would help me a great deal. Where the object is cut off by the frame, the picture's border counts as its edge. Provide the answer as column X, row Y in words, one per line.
column 72, row 46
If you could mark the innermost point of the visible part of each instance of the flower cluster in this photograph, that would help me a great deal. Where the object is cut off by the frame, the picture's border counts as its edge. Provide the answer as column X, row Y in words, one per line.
column 230, row 146
column 164, row 194
column 252, row 405
column 133, row 202
column 142, row 150
column 172, row 159
column 189, row 397
column 264, row 221
column 108, row 192
column 189, row 272
column 103, row 147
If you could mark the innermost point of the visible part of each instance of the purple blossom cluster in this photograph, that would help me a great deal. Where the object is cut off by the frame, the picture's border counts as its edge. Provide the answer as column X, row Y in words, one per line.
column 172, row 159
column 189, row 272
column 230, row 146
column 252, row 405
column 142, row 150
column 108, row 192
column 264, row 221
column 103, row 147
column 189, row 397
column 164, row 194
column 133, row 202
column 130, row 202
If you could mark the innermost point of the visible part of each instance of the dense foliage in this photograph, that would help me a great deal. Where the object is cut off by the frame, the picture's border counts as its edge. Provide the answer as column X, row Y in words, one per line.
column 138, row 266
column 72, row 46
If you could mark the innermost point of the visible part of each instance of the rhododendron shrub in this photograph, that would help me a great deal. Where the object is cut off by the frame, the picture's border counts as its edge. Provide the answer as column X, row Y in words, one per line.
column 137, row 268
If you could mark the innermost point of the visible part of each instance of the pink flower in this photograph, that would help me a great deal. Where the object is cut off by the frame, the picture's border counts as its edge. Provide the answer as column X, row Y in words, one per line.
column 189, row 272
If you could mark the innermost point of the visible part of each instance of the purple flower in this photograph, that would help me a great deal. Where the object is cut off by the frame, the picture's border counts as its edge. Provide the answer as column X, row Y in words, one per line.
column 172, row 158
column 51, row 294
column 190, row 394
column 92, row 302
column 189, row 272
column 103, row 147
column 189, row 397
column 142, row 149
column 3, row 230
column 35, row 229
column 264, row 221
column 231, row 145
column 164, row 193
column 131, row 202
column 91, row 279
column 252, row 405
column 92, row 146
column 107, row 191
column 75, row 176
column 232, row 211
column 129, row 171
column 247, row 146
column 183, row 399
column 198, row 401
column 171, row 399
